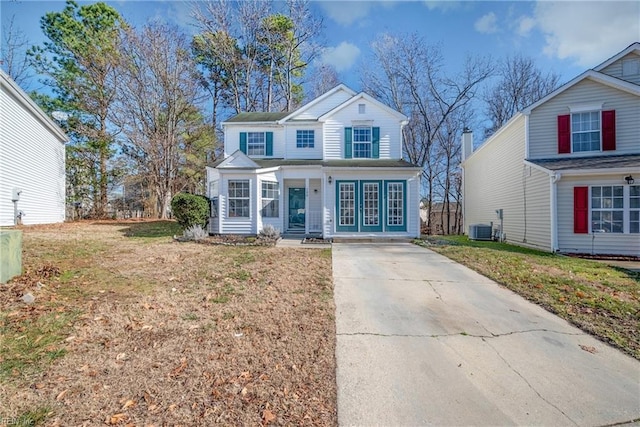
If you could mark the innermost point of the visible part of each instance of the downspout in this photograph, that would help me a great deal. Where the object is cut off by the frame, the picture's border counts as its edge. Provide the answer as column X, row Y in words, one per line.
column 554, row 178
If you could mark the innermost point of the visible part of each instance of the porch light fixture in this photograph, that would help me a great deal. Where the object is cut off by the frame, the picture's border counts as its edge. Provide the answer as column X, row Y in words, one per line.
column 629, row 179
column 330, row 180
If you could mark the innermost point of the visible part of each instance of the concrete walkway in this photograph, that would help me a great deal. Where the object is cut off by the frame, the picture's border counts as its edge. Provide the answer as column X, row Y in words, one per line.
column 423, row 340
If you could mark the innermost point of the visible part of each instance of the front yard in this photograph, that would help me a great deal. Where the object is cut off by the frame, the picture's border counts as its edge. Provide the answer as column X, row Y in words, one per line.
column 129, row 327
column 598, row 298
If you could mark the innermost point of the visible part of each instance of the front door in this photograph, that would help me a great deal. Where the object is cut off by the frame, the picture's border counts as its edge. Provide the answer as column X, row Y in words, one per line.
column 371, row 206
column 296, row 208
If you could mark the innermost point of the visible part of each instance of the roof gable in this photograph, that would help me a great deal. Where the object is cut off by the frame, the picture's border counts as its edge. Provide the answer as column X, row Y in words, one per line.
column 28, row 104
column 340, row 88
column 591, row 75
column 368, row 98
column 634, row 47
column 237, row 160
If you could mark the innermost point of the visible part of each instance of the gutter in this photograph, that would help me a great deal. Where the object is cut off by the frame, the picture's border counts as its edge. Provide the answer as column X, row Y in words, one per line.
column 553, row 179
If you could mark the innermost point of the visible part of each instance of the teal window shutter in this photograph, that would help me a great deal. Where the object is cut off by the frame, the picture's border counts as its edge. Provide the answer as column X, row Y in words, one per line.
column 347, row 143
column 243, row 142
column 375, row 143
column 269, row 144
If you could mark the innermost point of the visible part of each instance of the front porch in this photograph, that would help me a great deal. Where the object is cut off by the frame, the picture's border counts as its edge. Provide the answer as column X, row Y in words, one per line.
column 302, row 207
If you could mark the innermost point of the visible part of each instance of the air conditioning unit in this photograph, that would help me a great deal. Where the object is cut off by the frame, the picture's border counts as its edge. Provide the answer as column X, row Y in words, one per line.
column 480, row 232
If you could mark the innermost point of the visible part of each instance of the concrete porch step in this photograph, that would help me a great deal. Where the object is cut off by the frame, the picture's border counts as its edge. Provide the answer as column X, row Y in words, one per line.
column 367, row 239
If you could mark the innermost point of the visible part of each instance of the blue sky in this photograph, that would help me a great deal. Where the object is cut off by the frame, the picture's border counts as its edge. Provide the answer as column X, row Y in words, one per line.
column 565, row 37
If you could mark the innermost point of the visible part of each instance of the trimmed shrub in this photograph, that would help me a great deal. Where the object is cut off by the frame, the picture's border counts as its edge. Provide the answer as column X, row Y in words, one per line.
column 190, row 209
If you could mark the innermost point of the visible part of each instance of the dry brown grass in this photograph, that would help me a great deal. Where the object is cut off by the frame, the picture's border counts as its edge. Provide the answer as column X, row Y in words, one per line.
column 153, row 332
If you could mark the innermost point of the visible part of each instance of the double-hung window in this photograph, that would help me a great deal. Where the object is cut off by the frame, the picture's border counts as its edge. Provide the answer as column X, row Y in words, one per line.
column 256, row 143
column 585, row 131
column 239, row 199
column 607, row 209
column 634, row 209
column 270, row 199
column 362, row 142
column 305, row 138
column 213, row 197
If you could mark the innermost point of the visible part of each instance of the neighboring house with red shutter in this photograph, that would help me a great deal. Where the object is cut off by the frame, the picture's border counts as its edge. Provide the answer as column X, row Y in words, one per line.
column 566, row 170
column 331, row 168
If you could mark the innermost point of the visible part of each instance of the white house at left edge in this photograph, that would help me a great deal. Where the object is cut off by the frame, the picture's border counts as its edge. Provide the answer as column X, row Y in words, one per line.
column 32, row 160
column 331, row 168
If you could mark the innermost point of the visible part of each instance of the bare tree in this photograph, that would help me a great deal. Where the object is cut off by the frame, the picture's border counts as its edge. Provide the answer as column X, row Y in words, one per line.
column 323, row 79
column 157, row 107
column 14, row 53
column 520, row 83
column 411, row 78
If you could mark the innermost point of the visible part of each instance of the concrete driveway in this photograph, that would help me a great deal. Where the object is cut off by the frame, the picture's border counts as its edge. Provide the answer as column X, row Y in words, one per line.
column 424, row 340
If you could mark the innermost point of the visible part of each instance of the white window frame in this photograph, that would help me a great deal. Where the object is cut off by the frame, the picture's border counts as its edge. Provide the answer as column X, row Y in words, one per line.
column 305, row 138
column 574, row 132
column 605, row 208
column 214, row 186
column 355, row 150
column 347, row 200
column 256, row 143
column 634, row 209
column 270, row 199
column 395, row 204
column 243, row 196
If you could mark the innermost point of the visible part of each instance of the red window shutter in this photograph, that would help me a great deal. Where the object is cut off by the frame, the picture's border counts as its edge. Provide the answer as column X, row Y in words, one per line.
column 581, row 210
column 609, row 130
column 564, row 134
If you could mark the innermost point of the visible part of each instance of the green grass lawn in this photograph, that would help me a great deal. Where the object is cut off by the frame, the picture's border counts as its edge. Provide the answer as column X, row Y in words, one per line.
column 600, row 299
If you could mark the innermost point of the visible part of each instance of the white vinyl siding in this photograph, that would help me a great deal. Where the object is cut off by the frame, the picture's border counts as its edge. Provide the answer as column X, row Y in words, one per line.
column 323, row 106
column 543, row 135
column 232, row 137
column 32, row 158
column 495, row 177
column 593, row 242
column 390, row 130
column 615, row 69
column 290, row 136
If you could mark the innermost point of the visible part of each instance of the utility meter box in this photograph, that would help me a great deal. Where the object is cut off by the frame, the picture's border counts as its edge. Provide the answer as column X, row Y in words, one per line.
column 15, row 194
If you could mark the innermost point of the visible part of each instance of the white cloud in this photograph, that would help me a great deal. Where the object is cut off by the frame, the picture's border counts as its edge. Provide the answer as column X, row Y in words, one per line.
column 588, row 32
column 525, row 25
column 341, row 57
column 487, row 23
column 346, row 12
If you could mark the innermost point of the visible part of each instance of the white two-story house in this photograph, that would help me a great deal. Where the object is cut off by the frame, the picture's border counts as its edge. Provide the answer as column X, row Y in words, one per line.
column 331, row 168
column 566, row 170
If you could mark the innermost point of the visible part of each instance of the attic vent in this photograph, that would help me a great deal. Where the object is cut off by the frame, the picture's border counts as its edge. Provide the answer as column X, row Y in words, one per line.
column 480, row 232
column 361, row 108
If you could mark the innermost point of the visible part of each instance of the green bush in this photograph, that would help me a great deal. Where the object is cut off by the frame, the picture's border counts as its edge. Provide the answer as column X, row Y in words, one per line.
column 190, row 209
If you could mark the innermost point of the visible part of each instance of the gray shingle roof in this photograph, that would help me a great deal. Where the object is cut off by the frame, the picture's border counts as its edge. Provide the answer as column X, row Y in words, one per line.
column 348, row 163
column 256, row 117
column 597, row 162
